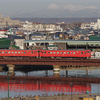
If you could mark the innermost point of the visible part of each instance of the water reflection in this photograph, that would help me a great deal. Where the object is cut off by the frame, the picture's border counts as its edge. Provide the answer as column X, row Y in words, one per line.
column 24, row 88
column 40, row 88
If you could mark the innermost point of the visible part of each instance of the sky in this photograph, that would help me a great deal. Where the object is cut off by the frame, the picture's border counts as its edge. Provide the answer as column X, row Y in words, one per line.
column 11, row 7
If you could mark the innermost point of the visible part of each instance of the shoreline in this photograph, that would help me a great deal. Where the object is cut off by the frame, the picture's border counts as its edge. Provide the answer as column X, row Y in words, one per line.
column 55, row 97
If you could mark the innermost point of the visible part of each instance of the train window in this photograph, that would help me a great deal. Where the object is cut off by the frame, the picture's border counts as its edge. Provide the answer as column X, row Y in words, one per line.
column 9, row 52
column 5, row 52
column 2, row 52
column 54, row 52
column 24, row 52
column 61, row 52
column 31, row 51
column 50, row 52
column 67, row 52
column 73, row 52
column 15, row 52
column 12, row 52
column 84, row 52
column 57, row 52
column 44, row 52
column 64, row 52
column 81, row 52
column 18, row 52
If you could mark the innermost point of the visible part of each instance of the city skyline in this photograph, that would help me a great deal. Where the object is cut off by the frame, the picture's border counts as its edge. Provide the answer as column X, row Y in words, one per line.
column 48, row 8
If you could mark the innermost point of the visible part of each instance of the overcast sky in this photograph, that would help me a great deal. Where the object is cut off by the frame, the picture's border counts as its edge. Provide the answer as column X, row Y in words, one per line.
column 8, row 7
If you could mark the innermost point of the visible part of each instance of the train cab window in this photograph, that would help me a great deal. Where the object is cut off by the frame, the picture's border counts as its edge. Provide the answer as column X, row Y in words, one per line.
column 18, row 52
column 50, row 52
column 57, row 52
column 32, row 52
column 24, row 52
column 5, row 52
column 81, row 52
column 61, row 52
column 67, row 52
column 54, row 52
column 64, row 52
column 73, row 52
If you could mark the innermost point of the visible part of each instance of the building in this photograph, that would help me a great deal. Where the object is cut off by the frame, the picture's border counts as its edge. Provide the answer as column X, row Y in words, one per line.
column 92, row 25
column 18, row 41
column 10, row 22
column 42, row 27
column 5, row 43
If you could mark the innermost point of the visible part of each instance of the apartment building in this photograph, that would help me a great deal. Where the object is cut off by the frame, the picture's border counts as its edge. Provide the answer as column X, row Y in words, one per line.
column 92, row 25
column 42, row 27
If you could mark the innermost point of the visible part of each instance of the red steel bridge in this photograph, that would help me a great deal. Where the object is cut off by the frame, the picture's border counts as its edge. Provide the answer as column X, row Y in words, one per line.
column 50, row 61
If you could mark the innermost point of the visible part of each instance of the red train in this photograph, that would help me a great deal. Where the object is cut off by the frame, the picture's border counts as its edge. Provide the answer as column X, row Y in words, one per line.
column 46, row 53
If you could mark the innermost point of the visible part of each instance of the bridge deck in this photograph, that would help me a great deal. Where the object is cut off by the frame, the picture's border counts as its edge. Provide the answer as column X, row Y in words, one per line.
column 51, row 61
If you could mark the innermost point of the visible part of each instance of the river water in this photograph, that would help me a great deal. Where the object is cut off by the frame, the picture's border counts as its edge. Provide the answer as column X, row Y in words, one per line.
column 41, row 88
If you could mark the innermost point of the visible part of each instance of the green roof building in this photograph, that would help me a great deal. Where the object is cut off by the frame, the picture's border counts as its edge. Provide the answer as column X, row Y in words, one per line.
column 5, row 43
column 94, row 38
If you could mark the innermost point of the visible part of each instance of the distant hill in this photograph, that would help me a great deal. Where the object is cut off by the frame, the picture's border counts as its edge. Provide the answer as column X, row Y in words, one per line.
column 54, row 20
column 58, row 13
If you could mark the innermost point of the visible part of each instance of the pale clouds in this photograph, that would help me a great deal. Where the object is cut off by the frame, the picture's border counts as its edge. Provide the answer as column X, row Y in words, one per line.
column 70, row 7
column 53, row 6
column 78, row 7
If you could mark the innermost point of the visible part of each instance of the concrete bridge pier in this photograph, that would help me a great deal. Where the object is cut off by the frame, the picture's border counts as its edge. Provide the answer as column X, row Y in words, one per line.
column 11, row 70
column 86, row 72
column 46, row 73
column 1, row 69
column 66, row 73
column 56, row 70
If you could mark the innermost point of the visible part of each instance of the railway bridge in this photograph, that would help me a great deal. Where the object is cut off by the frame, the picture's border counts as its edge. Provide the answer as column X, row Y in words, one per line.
column 56, row 62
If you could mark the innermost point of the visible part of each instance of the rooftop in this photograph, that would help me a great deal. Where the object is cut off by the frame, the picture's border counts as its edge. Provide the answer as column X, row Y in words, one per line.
column 69, row 42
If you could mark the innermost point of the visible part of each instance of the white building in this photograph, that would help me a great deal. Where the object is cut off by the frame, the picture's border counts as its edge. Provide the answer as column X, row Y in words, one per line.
column 92, row 25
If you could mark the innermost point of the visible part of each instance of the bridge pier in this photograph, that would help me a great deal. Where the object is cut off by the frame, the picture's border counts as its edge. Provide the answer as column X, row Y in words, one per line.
column 46, row 73
column 56, row 69
column 86, row 72
column 1, row 68
column 66, row 73
column 11, row 70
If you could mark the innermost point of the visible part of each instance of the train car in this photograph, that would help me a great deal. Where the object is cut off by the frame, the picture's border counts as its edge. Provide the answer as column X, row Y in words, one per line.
column 8, row 52
column 65, row 53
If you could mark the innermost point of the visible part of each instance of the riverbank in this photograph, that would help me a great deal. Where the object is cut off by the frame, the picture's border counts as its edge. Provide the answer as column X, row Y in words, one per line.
column 55, row 97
